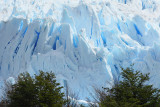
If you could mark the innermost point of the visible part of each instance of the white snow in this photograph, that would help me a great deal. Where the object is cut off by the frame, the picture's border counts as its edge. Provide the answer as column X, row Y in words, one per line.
column 84, row 42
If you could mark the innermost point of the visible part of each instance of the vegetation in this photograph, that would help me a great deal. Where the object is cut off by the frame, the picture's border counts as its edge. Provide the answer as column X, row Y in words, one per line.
column 43, row 91
column 40, row 91
column 130, row 92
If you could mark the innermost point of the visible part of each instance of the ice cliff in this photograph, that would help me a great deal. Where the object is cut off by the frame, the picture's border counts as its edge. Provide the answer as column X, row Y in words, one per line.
column 85, row 42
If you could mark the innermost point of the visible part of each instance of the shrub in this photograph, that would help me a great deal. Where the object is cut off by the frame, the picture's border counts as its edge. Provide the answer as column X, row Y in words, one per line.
column 131, row 91
column 40, row 91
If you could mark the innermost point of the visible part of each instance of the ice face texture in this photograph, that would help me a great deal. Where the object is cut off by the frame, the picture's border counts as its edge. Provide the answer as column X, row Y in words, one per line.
column 83, row 42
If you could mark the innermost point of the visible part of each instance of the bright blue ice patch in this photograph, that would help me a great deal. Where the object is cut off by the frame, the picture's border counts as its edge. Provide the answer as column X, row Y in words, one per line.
column 92, row 26
column 36, row 41
column 119, row 28
column 21, row 26
column 137, row 30
column 125, row 1
column 148, row 26
column 97, row 43
column 17, row 48
column 117, row 70
column 102, row 22
column 33, row 2
column 60, row 29
column 103, row 38
column 24, row 31
column 143, row 6
column 100, row 58
column 41, row 23
column 50, row 12
column 31, row 20
column 51, row 30
column 54, row 45
column 124, row 41
column 75, row 40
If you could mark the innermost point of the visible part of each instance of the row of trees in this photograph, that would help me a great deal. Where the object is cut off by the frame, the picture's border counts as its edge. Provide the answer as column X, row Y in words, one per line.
column 43, row 91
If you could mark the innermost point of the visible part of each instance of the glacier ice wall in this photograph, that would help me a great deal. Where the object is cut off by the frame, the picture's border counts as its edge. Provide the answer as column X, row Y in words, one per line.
column 83, row 42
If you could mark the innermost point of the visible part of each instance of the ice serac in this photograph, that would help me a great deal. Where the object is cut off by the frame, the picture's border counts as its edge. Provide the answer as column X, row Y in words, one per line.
column 83, row 42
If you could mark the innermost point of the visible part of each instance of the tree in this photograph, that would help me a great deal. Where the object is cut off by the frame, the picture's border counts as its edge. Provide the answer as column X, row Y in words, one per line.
column 49, row 92
column 131, row 91
column 40, row 91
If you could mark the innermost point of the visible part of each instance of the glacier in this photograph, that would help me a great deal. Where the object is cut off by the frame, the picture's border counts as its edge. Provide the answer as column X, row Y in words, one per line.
column 84, row 42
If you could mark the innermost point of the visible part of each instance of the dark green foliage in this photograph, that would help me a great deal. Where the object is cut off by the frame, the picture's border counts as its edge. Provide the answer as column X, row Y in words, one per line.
column 49, row 92
column 130, row 92
column 41, row 91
